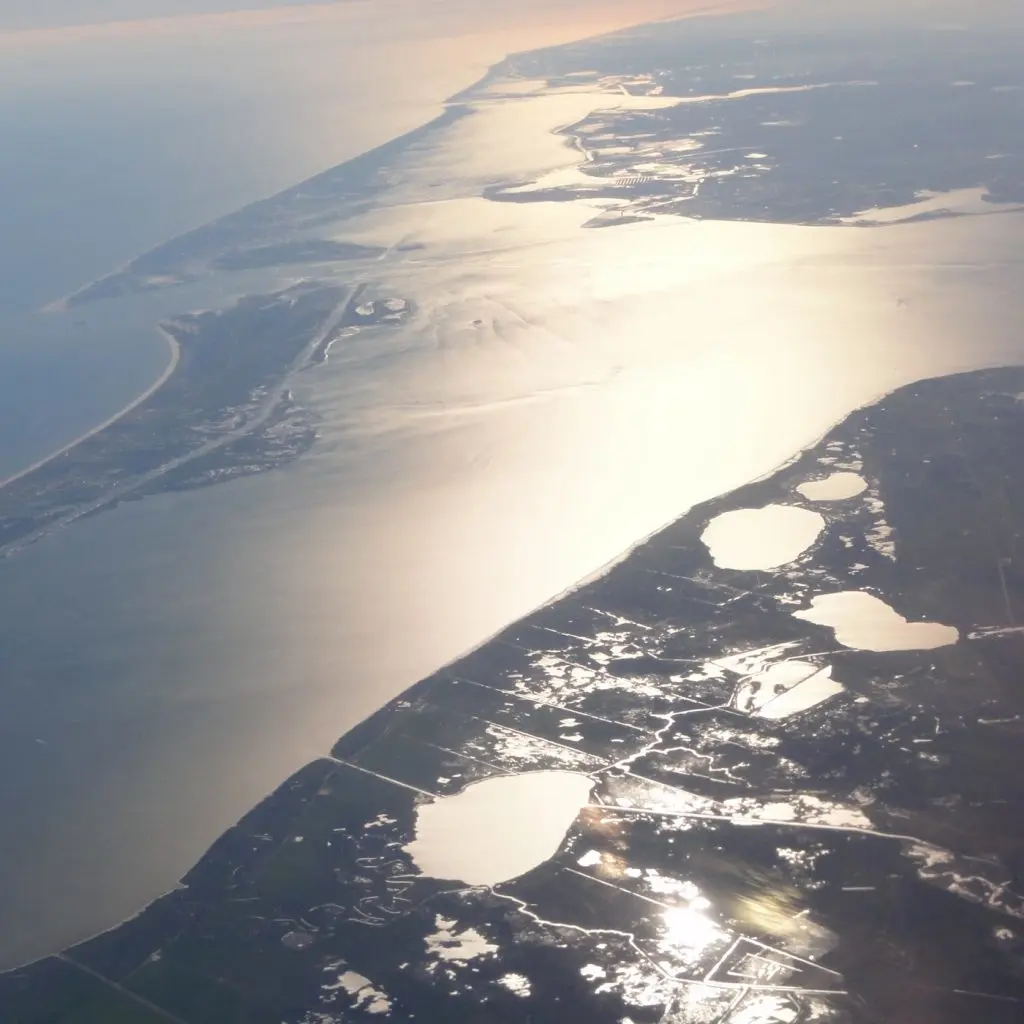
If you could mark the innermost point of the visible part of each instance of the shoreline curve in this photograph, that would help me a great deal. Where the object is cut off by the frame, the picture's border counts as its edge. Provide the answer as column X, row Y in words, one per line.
column 169, row 369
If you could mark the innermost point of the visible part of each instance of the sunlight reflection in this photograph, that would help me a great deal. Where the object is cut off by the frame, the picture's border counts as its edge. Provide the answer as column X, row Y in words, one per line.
column 689, row 927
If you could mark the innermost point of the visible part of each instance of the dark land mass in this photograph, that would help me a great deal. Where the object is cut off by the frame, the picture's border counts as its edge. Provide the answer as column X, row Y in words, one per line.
column 224, row 412
column 862, row 859
column 802, row 126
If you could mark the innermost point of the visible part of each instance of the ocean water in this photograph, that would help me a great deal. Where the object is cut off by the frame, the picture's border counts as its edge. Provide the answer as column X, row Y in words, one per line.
column 559, row 394
column 104, row 154
column 115, row 138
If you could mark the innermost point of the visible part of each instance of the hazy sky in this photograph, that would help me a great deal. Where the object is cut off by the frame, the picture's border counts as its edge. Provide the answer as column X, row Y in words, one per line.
column 53, row 13
column 43, row 14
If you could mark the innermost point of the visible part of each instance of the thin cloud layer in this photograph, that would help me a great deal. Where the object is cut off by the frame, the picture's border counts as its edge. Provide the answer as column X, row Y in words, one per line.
column 24, row 14
column 528, row 22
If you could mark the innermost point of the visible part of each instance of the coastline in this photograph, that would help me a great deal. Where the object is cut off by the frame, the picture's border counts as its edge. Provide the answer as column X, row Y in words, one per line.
column 169, row 369
column 369, row 725
column 449, row 109
column 558, row 28
column 635, row 544
column 148, row 938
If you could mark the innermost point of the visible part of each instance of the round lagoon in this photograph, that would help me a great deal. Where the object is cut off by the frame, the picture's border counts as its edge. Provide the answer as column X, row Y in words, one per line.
column 497, row 829
column 866, row 623
column 761, row 538
column 837, row 487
